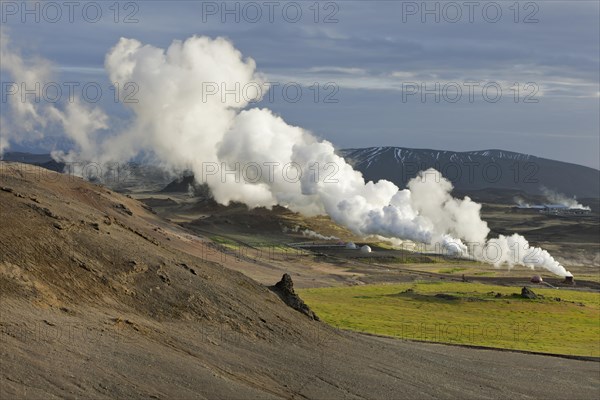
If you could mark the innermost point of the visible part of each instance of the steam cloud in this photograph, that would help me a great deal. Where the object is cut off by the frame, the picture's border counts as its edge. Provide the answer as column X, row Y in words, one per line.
column 554, row 197
column 310, row 233
column 562, row 199
column 30, row 120
column 186, row 129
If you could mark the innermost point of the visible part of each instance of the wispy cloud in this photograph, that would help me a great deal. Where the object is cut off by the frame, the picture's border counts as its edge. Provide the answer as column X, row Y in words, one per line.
column 338, row 70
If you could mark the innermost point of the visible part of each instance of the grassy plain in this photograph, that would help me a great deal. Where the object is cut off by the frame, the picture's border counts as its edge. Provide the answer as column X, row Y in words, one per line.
column 562, row 321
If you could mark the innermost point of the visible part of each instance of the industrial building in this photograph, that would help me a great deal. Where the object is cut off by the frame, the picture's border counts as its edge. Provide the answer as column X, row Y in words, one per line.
column 552, row 209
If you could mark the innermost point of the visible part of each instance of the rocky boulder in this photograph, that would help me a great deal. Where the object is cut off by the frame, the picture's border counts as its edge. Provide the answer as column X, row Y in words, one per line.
column 285, row 290
column 527, row 293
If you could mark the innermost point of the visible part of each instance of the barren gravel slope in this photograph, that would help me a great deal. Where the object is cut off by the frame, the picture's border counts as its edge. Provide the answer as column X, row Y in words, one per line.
column 96, row 302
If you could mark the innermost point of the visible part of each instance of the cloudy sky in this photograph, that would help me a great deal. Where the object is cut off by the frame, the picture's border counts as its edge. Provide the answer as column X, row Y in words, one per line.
column 388, row 73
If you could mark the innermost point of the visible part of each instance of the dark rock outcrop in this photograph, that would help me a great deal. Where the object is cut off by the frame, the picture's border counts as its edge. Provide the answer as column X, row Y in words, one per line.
column 285, row 290
column 123, row 208
column 527, row 293
column 188, row 184
column 446, row 296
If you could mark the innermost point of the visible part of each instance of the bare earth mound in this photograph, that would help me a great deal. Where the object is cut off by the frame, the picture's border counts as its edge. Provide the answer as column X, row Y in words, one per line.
column 98, row 300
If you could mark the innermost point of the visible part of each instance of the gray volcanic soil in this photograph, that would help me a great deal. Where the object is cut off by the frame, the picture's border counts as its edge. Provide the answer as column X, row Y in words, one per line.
column 98, row 300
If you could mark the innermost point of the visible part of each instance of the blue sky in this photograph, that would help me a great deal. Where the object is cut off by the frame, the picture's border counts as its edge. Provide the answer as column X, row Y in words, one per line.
column 374, row 52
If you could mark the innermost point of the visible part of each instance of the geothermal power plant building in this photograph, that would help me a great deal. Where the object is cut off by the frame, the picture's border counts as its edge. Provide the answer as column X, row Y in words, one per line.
column 553, row 209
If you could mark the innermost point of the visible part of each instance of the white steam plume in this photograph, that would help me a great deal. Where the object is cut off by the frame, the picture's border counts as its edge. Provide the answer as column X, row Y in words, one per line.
column 218, row 139
column 30, row 120
column 562, row 199
column 521, row 202
column 310, row 233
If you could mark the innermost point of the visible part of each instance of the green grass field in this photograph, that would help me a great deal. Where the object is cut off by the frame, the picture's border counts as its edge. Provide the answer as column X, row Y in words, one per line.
column 452, row 270
column 564, row 321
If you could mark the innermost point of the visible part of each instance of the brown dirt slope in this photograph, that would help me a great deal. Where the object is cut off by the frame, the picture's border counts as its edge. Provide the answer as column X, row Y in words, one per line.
column 98, row 300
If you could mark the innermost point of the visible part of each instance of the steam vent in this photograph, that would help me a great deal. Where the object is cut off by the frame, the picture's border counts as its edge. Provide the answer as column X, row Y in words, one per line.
column 569, row 280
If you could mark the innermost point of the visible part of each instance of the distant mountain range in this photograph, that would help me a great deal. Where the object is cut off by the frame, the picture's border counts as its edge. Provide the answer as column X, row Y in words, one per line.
column 43, row 160
column 476, row 170
column 469, row 171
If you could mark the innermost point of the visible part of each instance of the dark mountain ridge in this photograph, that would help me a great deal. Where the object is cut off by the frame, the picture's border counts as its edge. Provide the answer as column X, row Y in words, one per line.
column 469, row 171
column 476, row 170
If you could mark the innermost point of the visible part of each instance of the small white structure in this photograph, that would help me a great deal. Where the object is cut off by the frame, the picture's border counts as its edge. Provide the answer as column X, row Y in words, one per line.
column 536, row 279
column 365, row 249
column 351, row 245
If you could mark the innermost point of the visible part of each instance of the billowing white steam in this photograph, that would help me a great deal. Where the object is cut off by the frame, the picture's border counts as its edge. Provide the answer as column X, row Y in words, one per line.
column 310, row 233
column 562, row 199
column 553, row 197
column 521, row 202
column 29, row 120
column 253, row 156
